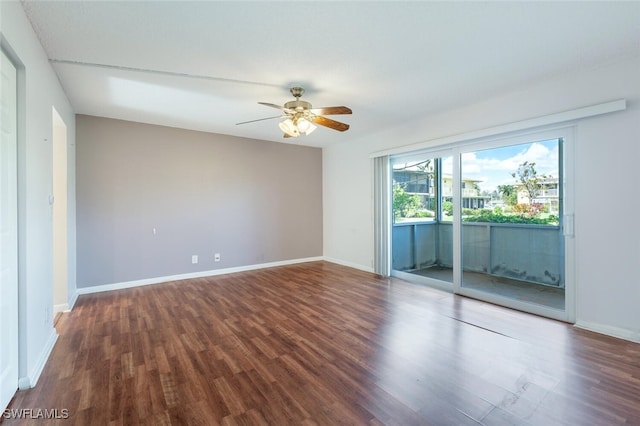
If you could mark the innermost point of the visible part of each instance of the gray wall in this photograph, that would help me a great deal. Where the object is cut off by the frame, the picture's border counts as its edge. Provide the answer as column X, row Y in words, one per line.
column 252, row 201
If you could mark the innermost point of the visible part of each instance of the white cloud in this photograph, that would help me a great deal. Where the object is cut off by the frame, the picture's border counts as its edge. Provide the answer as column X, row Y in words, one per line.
column 494, row 167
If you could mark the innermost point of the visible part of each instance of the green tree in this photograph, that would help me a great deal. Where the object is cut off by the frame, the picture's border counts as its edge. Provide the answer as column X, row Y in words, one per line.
column 447, row 208
column 528, row 178
column 404, row 204
column 509, row 194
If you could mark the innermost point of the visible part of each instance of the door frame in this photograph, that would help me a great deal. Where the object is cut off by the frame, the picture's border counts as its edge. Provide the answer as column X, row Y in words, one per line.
column 12, row 340
column 567, row 133
column 567, row 213
column 59, row 182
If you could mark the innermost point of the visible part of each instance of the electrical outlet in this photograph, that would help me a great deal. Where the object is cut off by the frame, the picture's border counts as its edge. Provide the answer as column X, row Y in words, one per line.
column 216, row 257
column 194, row 258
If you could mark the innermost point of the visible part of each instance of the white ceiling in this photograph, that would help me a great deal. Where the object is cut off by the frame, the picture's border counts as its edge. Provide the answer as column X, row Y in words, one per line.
column 205, row 65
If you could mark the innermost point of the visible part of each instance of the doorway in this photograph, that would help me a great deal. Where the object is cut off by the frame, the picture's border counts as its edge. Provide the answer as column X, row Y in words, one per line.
column 487, row 220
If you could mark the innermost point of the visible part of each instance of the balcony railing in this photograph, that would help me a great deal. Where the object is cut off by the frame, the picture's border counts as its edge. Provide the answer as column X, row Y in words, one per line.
column 532, row 253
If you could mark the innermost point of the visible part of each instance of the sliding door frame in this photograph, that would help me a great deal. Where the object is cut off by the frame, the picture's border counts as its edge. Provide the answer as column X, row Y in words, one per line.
column 435, row 153
column 566, row 167
column 566, row 210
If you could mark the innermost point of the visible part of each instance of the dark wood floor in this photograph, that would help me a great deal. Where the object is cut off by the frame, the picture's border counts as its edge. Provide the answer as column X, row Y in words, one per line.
column 319, row 343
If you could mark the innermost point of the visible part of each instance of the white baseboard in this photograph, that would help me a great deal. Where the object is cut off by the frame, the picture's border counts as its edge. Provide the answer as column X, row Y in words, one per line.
column 349, row 264
column 62, row 307
column 202, row 274
column 73, row 300
column 621, row 333
column 31, row 380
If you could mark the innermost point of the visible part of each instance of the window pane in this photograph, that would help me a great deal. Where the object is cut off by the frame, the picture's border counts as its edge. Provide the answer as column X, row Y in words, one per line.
column 512, row 244
column 422, row 231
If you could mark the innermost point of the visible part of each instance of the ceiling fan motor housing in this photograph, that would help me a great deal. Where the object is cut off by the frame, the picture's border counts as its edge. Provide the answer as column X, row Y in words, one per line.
column 298, row 105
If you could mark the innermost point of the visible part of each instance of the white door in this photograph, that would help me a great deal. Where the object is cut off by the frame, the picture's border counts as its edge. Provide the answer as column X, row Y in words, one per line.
column 8, row 234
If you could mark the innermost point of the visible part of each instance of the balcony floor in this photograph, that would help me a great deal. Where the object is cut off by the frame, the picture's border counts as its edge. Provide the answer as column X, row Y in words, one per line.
column 525, row 291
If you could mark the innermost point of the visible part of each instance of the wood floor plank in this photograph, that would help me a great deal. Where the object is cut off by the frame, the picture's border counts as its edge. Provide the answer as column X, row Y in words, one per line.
column 319, row 344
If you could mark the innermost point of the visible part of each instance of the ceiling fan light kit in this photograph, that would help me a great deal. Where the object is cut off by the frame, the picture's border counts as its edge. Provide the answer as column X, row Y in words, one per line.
column 296, row 127
column 289, row 128
column 300, row 117
column 305, row 126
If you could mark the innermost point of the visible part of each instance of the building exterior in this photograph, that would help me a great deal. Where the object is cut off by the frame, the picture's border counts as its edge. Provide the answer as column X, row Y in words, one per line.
column 547, row 195
column 421, row 183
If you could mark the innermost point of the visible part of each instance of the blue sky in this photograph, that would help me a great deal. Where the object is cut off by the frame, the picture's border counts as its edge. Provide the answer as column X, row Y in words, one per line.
column 493, row 167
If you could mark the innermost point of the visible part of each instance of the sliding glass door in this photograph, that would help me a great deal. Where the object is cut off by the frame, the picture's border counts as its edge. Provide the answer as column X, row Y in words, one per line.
column 512, row 240
column 422, row 231
column 488, row 220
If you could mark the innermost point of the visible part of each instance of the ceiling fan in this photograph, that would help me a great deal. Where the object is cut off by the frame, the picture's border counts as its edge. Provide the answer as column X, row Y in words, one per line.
column 300, row 117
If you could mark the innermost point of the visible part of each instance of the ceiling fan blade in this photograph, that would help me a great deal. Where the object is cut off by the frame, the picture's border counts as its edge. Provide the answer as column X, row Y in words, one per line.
column 334, row 110
column 259, row 119
column 280, row 107
column 332, row 124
